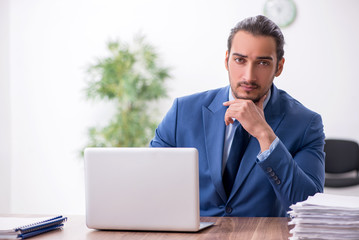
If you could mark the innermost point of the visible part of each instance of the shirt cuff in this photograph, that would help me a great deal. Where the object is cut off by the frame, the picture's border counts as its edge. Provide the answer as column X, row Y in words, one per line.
column 264, row 155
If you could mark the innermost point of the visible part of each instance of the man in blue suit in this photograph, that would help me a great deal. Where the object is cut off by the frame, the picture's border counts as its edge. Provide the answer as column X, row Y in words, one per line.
column 279, row 144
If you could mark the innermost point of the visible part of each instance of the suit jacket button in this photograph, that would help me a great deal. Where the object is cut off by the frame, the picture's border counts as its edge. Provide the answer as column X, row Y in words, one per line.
column 229, row 209
column 269, row 169
column 275, row 178
column 277, row 182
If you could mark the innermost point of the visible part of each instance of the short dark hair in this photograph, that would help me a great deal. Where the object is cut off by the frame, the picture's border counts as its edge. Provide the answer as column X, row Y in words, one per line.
column 260, row 26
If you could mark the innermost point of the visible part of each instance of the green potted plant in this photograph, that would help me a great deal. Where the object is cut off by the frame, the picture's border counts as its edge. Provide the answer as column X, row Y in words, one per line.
column 132, row 77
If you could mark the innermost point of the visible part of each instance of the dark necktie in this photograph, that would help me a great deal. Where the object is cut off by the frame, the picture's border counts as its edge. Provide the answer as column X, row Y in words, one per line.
column 239, row 145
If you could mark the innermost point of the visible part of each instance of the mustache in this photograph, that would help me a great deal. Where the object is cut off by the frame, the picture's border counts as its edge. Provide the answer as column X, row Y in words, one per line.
column 245, row 83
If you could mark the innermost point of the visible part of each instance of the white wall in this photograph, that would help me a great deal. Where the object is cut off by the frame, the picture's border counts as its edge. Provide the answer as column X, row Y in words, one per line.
column 320, row 68
column 5, row 134
column 52, row 42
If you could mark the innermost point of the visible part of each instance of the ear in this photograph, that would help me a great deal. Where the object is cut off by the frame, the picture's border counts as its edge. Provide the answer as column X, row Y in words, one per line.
column 226, row 60
column 280, row 67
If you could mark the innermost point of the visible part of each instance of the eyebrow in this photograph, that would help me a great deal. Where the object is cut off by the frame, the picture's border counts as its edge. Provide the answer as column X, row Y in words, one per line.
column 260, row 57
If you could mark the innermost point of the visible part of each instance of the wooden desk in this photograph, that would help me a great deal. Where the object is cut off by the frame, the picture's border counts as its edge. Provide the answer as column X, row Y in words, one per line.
column 225, row 228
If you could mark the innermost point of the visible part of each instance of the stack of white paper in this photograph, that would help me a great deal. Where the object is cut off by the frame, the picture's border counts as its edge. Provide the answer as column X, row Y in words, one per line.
column 325, row 216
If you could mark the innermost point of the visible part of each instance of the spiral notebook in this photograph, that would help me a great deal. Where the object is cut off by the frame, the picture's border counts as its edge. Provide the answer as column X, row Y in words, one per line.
column 22, row 227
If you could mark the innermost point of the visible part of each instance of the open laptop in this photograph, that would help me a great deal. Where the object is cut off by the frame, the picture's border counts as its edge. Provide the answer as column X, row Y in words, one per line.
column 154, row 189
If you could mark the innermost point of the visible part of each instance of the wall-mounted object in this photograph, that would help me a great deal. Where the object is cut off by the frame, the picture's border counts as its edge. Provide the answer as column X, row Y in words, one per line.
column 282, row 12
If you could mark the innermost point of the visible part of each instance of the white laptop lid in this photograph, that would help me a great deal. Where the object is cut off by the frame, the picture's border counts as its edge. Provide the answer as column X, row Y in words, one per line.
column 142, row 189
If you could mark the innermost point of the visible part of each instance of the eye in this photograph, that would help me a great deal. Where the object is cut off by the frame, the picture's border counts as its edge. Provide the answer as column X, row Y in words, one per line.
column 264, row 63
column 240, row 60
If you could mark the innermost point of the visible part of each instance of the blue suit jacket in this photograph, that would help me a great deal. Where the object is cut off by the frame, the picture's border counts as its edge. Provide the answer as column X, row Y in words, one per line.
column 291, row 173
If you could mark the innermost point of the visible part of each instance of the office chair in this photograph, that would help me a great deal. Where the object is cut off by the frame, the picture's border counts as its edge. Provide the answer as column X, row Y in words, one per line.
column 342, row 156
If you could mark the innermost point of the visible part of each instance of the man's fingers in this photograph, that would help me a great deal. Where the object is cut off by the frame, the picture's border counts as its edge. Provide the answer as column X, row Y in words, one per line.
column 234, row 107
column 228, row 103
column 228, row 120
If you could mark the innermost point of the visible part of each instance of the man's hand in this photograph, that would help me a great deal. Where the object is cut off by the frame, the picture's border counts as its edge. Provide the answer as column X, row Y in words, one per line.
column 251, row 117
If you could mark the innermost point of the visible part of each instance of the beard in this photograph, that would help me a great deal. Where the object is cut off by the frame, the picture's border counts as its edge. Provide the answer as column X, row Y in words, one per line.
column 254, row 98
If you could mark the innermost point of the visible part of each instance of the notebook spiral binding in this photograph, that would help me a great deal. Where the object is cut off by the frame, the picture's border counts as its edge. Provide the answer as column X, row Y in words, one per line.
column 42, row 224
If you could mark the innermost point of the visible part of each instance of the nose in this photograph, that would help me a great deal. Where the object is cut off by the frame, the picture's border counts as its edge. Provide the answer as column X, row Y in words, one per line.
column 249, row 73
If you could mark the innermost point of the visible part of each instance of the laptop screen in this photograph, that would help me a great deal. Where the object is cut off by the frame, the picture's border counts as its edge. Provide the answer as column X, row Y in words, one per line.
column 142, row 188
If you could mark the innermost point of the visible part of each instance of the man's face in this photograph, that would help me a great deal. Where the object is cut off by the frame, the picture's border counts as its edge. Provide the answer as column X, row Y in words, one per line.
column 252, row 65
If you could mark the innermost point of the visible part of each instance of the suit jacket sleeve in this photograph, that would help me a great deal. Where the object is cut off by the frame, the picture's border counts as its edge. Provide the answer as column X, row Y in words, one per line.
column 298, row 173
column 165, row 135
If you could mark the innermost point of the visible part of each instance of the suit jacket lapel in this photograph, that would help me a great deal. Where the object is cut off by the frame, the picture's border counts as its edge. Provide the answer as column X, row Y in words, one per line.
column 274, row 116
column 214, row 129
column 273, row 111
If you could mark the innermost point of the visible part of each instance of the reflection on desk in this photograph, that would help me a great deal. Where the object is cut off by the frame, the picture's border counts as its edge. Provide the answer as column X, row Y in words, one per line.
column 246, row 228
